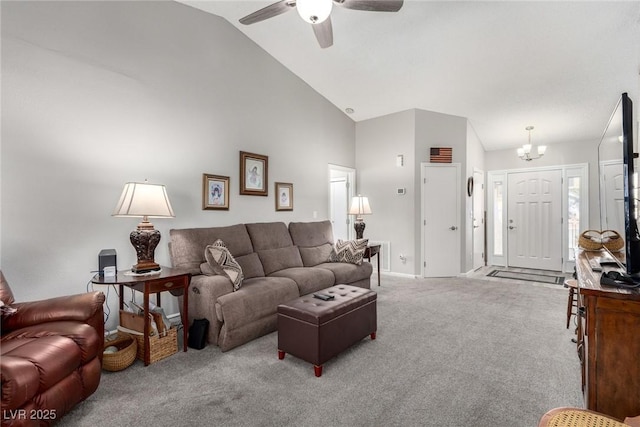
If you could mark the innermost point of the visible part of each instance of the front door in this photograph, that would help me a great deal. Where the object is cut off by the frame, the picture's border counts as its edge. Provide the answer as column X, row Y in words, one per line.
column 534, row 224
column 441, row 220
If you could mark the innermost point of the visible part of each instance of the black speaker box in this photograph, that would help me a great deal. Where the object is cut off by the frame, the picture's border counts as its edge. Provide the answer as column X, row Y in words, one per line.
column 107, row 258
column 198, row 334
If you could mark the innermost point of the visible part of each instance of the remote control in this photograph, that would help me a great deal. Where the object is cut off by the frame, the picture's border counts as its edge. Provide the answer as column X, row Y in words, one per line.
column 323, row 297
column 595, row 264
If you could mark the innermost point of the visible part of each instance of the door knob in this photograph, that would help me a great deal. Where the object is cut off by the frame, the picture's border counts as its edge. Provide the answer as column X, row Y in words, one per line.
column 511, row 227
column 453, row 228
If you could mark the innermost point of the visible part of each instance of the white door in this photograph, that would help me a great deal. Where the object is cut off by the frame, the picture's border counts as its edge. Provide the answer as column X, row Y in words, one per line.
column 612, row 211
column 478, row 219
column 534, row 219
column 441, row 220
column 339, row 208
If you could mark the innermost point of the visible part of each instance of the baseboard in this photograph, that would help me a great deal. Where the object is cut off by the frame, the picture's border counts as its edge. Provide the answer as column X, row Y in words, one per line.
column 391, row 273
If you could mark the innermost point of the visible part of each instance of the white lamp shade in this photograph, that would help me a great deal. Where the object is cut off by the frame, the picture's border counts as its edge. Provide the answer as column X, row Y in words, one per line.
column 521, row 152
column 542, row 149
column 360, row 206
column 141, row 199
column 314, row 11
column 527, row 148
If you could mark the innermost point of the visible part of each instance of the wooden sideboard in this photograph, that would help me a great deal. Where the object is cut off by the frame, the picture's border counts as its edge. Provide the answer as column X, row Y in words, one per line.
column 608, row 342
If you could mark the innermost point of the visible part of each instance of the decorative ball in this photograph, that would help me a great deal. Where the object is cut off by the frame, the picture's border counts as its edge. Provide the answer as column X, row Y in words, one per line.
column 111, row 349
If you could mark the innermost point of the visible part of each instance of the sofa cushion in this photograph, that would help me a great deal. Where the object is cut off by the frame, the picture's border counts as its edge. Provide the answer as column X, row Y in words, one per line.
column 279, row 259
column 346, row 273
column 315, row 255
column 251, row 266
column 351, row 251
column 307, row 234
column 269, row 235
column 308, row 279
column 187, row 245
column 222, row 262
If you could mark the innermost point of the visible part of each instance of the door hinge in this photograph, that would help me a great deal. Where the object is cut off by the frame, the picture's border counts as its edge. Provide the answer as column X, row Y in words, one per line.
column 424, row 263
column 424, row 222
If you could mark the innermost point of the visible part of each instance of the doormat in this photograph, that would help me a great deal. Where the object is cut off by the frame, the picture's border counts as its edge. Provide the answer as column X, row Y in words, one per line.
column 530, row 277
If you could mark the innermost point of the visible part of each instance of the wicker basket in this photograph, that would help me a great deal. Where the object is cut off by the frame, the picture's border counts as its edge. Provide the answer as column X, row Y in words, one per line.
column 124, row 357
column 612, row 240
column 590, row 240
column 159, row 346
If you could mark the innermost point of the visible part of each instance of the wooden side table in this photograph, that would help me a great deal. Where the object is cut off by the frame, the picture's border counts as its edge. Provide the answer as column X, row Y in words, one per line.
column 167, row 279
column 373, row 250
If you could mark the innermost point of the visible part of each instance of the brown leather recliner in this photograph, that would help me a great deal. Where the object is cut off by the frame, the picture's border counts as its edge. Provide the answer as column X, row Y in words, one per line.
column 50, row 355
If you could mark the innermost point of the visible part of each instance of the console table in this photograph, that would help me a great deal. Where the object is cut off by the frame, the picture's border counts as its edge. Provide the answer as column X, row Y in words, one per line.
column 168, row 279
column 608, row 342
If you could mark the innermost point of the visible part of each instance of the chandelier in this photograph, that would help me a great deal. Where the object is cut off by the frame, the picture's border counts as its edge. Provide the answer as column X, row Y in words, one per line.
column 525, row 151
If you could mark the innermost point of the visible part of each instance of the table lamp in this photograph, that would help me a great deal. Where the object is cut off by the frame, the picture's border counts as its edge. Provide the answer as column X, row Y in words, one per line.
column 359, row 206
column 141, row 199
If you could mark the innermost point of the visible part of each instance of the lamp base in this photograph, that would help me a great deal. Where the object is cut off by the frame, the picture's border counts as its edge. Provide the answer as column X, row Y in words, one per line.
column 145, row 240
column 359, row 226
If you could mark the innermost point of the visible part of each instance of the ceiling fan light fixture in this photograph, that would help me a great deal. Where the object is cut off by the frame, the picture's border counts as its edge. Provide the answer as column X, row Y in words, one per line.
column 314, row 11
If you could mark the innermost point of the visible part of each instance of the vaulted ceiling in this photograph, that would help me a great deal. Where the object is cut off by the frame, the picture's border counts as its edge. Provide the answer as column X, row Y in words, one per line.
column 504, row 65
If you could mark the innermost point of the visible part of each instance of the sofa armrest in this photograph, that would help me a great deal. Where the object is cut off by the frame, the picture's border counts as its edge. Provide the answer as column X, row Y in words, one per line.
column 86, row 308
column 204, row 292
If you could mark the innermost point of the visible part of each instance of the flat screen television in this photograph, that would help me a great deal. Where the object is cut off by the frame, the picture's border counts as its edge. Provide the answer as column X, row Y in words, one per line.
column 617, row 141
column 632, row 239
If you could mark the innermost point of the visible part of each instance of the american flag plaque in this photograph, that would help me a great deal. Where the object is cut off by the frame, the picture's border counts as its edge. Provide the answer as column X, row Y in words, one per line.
column 441, row 154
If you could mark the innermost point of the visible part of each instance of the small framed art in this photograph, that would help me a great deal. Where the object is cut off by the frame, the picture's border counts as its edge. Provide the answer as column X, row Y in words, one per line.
column 284, row 196
column 215, row 192
column 254, row 171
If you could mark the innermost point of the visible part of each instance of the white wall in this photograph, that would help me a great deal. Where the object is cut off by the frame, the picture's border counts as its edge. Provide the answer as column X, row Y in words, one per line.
column 95, row 94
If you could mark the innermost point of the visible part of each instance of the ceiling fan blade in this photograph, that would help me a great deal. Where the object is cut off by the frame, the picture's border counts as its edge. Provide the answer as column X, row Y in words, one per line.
column 371, row 5
column 324, row 33
column 270, row 11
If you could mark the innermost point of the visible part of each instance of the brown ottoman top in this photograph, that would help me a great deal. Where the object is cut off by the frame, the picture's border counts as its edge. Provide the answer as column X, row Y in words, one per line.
column 316, row 311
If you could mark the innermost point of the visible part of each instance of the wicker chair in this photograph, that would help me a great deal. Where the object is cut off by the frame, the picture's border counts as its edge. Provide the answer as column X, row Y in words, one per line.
column 576, row 417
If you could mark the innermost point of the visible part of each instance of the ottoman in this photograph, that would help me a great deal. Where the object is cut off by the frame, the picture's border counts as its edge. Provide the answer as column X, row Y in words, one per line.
column 316, row 330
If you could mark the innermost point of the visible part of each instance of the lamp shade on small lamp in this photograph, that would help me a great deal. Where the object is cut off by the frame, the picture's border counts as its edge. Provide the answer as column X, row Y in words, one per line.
column 141, row 199
column 359, row 206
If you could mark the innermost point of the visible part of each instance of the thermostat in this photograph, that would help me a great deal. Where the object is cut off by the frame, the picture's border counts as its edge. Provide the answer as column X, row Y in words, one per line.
column 401, row 191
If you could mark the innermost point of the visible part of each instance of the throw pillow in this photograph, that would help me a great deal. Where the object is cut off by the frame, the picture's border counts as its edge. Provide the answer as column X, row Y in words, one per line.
column 351, row 251
column 222, row 262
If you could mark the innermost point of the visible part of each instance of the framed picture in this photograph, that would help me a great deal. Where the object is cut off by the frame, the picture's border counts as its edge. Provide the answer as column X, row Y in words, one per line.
column 215, row 192
column 254, row 171
column 284, row 196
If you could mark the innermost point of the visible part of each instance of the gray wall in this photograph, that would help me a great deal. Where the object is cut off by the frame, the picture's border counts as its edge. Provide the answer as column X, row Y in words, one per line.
column 378, row 142
column 557, row 154
column 95, row 94
column 397, row 218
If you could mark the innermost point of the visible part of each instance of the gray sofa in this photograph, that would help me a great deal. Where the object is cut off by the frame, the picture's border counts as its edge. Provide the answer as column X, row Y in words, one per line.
column 279, row 264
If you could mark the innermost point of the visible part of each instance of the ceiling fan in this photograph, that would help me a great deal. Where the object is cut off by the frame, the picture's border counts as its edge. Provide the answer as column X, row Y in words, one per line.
column 317, row 13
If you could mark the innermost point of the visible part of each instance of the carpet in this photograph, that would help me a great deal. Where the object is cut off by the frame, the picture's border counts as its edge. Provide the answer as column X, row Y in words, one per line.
column 529, row 277
column 449, row 352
